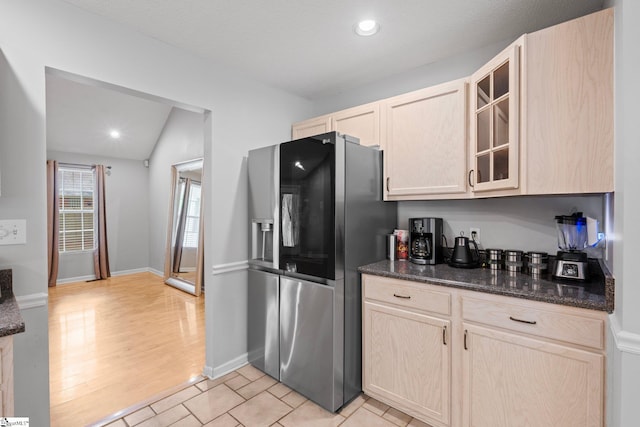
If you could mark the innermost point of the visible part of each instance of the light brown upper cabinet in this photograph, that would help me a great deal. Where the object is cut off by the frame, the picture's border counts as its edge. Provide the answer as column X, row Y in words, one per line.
column 311, row 127
column 424, row 139
column 494, row 122
column 568, row 118
column 560, row 141
column 362, row 122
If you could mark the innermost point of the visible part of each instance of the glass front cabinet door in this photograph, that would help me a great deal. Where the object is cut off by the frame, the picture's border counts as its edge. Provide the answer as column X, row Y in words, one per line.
column 494, row 115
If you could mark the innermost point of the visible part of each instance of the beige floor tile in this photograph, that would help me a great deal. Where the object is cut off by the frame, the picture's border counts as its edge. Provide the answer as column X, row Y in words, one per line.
column 237, row 382
column 117, row 423
column 190, row 421
column 139, row 416
column 365, row 418
column 353, row 405
column 311, row 415
column 166, row 418
column 256, row 387
column 213, row 403
column 175, row 399
column 418, row 423
column 224, row 420
column 250, row 372
column 375, row 406
column 293, row 399
column 262, row 410
column 398, row 418
column 279, row 390
column 207, row 384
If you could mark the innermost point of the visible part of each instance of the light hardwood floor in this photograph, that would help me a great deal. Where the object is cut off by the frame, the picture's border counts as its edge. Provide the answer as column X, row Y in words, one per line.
column 114, row 343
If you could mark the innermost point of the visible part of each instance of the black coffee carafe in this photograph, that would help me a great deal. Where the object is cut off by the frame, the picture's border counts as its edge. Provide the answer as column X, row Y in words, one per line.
column 462, row 255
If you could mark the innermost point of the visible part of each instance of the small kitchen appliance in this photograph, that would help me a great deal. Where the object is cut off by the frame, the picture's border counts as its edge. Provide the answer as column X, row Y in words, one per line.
column 494, row 259
column 513, row 260
column 537, row 264
column 462, row 255
column 425, row 240
column 571, row 261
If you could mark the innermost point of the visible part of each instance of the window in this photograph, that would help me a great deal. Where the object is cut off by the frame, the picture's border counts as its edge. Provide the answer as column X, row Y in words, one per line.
column 192, row 223
column 75, row 191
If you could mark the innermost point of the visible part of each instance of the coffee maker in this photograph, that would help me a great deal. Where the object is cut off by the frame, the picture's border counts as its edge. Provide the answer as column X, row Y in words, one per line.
column 425, row 240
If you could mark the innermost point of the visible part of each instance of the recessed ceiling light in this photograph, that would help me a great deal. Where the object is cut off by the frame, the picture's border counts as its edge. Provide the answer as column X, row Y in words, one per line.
column 115, row 134
column 367, row 27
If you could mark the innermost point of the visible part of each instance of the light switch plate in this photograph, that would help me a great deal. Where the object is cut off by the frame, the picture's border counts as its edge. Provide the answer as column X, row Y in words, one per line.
column 13, row 231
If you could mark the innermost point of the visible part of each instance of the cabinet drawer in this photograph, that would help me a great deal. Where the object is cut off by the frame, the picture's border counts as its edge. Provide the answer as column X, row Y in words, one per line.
column 563, row 323
column 406, row 294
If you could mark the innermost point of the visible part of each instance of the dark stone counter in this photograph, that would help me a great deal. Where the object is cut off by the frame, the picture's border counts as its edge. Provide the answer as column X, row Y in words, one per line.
column 596, row 294
column 11, row 321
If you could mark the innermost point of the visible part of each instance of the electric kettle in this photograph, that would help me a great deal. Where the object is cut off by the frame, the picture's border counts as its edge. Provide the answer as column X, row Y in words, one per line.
column 462, row 255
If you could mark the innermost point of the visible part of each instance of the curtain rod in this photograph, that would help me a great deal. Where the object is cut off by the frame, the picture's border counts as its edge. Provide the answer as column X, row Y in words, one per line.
column 78, row 165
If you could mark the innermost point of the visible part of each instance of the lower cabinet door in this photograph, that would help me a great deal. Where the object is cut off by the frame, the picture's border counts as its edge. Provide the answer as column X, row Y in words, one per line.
column 511, row 380
column 407, row 361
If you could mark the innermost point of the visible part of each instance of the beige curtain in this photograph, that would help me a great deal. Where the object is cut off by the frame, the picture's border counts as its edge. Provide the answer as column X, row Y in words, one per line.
column 182, row 219
column 101, row 252
column 53, row 220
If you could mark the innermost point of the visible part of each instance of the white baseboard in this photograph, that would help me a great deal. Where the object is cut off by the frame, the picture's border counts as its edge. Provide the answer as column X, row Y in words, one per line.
column 39, row 299
column 132, row 271
column 230, row 267
column 113, row 274
column 75, row 279
column 225, row 368
column 627, row 342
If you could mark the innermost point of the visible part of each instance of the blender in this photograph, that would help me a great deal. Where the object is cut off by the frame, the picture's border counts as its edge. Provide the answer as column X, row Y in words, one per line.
column 571, row 261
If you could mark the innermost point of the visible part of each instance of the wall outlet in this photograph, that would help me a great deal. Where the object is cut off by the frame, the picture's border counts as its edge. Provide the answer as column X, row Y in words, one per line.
column 13, row 232
column 474, row 234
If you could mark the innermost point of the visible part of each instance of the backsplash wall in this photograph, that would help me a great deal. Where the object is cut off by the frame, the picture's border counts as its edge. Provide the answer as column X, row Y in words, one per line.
column 524, row 222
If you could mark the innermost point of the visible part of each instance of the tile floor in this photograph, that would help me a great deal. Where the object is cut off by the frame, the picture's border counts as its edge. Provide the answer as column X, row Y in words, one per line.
column 247, row 397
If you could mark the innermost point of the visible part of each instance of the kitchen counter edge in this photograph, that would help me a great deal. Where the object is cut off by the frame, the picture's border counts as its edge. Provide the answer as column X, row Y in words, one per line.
column 443, row 275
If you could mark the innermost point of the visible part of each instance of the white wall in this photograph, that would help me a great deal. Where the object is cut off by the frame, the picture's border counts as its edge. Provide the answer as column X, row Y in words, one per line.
column 245, row 114
column 624, row 341
column 127, row 196
column 445, row 70
column 525, row 223
column 182, row 139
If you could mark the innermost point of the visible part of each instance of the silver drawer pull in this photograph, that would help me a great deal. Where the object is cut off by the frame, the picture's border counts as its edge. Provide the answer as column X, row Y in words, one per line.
column 402, row 296
column 528, row 322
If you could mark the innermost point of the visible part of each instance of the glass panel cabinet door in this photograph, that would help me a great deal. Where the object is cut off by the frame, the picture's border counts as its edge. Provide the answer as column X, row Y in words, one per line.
column 495, row 128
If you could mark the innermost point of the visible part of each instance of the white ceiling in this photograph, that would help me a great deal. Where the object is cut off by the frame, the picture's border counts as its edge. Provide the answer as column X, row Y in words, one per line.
column 80, row 117
column 306, row 47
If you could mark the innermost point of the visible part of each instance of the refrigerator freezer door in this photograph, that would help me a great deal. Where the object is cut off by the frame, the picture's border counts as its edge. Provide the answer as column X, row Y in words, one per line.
column 308, row 206
column 307, row 342
column 263, row 333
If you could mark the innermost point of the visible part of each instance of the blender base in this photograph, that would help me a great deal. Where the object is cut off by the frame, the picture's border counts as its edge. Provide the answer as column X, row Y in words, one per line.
column 571, row 265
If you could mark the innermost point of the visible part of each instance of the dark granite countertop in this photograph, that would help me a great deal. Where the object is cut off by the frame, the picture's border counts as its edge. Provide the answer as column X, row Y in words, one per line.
column 11, row 321
column 595, row 294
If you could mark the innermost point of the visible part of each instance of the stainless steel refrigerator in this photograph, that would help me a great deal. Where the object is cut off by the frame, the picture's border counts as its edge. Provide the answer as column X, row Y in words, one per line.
column 317, row 214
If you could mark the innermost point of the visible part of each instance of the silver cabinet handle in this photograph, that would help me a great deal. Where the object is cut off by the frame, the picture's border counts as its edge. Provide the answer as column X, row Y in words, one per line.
column 444, row 335
column 388, row 179
column 469, row 178
column 402, row 296
column 528, row 322
column 465, row 340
